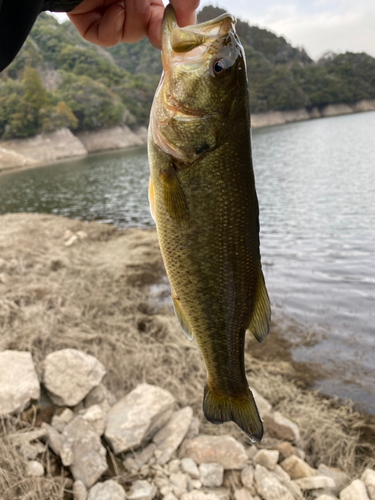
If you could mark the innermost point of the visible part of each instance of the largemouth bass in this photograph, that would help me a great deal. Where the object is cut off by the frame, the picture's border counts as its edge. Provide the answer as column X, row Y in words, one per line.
column 203, row 199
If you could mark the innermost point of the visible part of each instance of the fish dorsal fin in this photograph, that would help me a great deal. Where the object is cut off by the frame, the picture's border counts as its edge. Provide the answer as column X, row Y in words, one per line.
column 181, row 317
column 173, row 195
column 261, row 318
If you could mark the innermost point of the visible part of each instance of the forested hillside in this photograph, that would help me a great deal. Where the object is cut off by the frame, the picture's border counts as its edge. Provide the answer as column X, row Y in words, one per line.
column 59, row 80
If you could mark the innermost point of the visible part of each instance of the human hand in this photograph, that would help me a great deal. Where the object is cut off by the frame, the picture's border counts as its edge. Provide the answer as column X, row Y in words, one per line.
column 108, row 22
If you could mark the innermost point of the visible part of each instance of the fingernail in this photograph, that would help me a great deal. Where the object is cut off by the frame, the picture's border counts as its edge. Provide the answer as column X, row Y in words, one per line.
column 120, row 20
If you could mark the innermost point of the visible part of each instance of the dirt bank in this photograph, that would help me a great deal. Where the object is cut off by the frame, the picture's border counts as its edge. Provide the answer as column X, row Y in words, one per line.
column 271, row 118
column 49, row 148
column 44, row 149
column 65, row 283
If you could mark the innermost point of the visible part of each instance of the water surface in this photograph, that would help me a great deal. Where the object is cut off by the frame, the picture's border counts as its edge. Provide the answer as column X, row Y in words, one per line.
column 316, row 189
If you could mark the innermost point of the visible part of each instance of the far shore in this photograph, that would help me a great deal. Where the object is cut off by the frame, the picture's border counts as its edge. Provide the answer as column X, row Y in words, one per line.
column 50, row 148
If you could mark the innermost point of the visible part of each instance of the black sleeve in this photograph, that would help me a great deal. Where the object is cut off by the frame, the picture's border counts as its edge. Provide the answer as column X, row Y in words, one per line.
column 16, row 20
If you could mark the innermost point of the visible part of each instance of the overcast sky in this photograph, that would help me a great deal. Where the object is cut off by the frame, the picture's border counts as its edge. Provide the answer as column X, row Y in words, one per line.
column 316, row 25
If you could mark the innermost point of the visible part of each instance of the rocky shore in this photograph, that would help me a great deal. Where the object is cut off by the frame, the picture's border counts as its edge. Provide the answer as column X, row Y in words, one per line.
column 63, row 144
column 159, row 450
column 101, row 393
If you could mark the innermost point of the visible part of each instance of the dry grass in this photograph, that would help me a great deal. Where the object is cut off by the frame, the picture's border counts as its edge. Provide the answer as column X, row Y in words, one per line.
column 14, row 484
column 93, row 296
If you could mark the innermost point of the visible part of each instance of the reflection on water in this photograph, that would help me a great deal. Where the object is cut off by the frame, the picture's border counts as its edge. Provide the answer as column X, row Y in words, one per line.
column 316, row 185
column 108, row 188
column 316, row 188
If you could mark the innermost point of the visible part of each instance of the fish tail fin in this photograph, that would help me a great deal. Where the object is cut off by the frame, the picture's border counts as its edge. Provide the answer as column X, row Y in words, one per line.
column 240, row 409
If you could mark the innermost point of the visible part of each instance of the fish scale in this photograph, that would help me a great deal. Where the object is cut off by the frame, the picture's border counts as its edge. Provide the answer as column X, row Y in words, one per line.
column 203, row 199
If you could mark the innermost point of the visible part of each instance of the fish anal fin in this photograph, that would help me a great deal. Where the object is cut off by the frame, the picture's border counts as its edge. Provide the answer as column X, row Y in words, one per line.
column 181, row 317
column 240, row 409
column 151, row 198
column 259, row 325
column 173, row 195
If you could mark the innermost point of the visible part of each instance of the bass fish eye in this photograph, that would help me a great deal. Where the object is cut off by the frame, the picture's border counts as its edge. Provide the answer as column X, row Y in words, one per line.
column 220, row 67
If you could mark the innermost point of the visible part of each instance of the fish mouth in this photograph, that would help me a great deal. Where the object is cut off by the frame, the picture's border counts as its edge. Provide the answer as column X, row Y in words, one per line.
column 188, row 46
column 183, row 40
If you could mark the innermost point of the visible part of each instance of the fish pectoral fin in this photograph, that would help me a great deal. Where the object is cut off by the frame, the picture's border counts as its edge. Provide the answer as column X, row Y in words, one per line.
column 173, row 194
column 240, row 409
column 259, row 325
column 151, row 198
column 181, row 318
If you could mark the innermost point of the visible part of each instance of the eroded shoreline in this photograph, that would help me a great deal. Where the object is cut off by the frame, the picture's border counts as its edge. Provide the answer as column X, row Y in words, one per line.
column 44, row 149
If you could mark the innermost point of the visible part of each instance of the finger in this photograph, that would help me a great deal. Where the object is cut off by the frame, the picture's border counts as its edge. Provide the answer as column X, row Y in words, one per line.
column 87, row 6
column 101, row 28
column 185, row 11
column 155, row 24
column 136, row 20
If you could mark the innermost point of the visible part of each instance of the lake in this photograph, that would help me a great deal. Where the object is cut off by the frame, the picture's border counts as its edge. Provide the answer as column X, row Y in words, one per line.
column 316, row 189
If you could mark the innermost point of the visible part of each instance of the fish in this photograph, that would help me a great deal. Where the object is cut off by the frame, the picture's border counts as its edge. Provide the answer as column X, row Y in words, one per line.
column 203, row 200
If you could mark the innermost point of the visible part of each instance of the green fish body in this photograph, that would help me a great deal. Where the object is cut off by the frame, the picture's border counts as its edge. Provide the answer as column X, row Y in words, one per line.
column 203, row 199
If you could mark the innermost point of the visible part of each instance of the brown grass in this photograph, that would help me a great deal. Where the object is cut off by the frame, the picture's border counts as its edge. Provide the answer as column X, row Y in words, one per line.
column 14, row 484
column 94, row 296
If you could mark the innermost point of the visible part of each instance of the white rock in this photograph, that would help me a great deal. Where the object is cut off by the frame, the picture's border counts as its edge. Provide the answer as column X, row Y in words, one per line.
column 79, row 491
column 267, row 458
column 165, row 490
column 211, row 474
column 190, row 467
column 286, row 422
column 224, row 450
column 222, row 493
column 59, row 444
column 268, row 485
column 368, row 477
column 169, row 438
column 109, row 490
column 297, row 468
column 252, row 451
column 69, row 375
column 162, row 482
column 247, row 477
column 285, row 480
column 60, row 421
column 315, row 482
column 31, row 451
column 243, row 494
column 34, row 469
column 193, row 431
column 264, row 406
column 174, row 465
column 194, row 484
column 144, row 456
column 19, row 382
column 199, row 495
column 341, row 479
column 100, row 395
column 355, row 491
column 179, row 482
column 131, row 465
column 280, row 473
column 169, row 496
column 89, row 455
column 141, row 490
column 137, row 417
column 95, row 416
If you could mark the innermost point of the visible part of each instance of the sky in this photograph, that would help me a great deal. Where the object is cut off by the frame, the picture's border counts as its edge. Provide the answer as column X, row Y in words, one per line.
column 316, row 25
